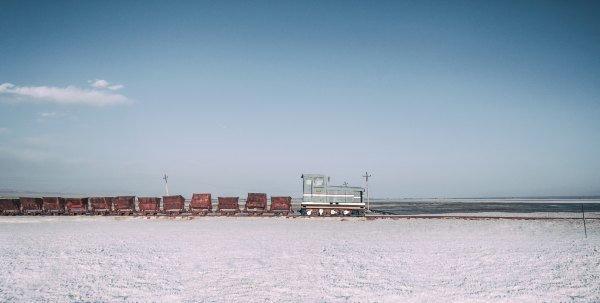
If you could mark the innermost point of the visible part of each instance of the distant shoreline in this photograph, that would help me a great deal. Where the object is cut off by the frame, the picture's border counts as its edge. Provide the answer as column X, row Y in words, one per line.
column 17, row 193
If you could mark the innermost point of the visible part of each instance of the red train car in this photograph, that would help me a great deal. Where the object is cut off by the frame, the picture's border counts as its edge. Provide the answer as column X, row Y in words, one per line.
column 228, row 205
column 9, row 207
column 281, row 205
column 124, row 205
column 101, row 205
column 53, row 205
column 201, row 204
column 173, row 205
column 256, row 203
column 76, row 206
column 149, row 205
column 31, row 206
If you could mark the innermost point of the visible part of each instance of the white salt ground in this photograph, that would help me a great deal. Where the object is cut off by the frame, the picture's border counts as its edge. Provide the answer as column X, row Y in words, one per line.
column 104, row 259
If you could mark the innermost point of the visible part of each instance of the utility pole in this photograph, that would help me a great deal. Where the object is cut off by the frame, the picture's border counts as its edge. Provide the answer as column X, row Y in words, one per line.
column 583, row 218
column 367, row 176
column 165, row 177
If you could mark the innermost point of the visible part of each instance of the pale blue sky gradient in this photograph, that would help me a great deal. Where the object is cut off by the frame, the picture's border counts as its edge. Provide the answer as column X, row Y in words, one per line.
column 435, row 99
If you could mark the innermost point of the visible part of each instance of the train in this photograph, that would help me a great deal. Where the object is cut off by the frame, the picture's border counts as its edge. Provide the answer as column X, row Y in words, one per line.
column 200, row 204
column 319, row 199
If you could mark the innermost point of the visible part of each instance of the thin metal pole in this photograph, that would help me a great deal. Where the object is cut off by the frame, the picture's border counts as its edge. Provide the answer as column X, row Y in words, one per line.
column 368, row 201
column 303, row 189
column 166, row 184
column 367, row 176
column 583, row 218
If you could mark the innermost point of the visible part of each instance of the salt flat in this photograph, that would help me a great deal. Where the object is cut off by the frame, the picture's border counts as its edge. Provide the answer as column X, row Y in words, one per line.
column 68, row 259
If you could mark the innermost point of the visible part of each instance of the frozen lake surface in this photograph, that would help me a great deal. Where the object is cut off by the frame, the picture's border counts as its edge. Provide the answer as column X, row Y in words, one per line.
column 74, row 259
column 476, row 206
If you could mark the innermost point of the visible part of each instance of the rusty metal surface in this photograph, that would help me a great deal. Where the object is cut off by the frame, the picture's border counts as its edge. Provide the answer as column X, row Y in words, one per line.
column 256, row 201
column 201, row 202
column 76, row 204
column 228, row 203
column 148, row 204
column 54, row 204
column 281, row 204
column 101, row 203
column 30, row 204
column 124, row 203
column 9, row 205
column 173, row 203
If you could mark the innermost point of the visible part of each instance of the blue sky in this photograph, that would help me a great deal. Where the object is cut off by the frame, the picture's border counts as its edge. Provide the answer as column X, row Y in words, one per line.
column 435, row 99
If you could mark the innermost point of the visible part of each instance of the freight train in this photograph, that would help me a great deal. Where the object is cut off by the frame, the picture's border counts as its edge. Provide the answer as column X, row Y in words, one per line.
column 200, row 204
column 319, row 199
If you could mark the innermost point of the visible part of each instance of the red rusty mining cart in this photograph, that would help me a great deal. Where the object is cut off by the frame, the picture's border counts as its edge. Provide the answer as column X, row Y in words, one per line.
column 281, row 205
column 9, row 207
column 31, row 206
column 228, row 205
column 149, row 205
column 124, row 205
column 256, row 203
column 101, row 205
column 53, row 205
column 201, row 204
column 173, row 205
column 76, row 206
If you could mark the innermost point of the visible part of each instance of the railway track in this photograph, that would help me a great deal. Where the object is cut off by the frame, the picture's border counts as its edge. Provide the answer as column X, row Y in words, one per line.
column 388, row 216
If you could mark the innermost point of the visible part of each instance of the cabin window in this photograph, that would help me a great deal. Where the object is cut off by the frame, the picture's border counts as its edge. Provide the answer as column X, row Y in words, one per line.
column 318, row 181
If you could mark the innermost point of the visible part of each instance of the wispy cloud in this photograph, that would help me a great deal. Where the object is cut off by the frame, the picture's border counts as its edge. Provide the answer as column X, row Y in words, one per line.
column 103, row 84
column 62, row 95
column 49, row 115
column 4, row 130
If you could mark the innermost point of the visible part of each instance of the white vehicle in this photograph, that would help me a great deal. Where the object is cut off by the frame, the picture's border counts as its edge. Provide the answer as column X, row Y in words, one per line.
column 321, row 199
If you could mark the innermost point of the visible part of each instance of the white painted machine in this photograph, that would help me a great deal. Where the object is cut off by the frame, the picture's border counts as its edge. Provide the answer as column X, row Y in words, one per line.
column 321, row 199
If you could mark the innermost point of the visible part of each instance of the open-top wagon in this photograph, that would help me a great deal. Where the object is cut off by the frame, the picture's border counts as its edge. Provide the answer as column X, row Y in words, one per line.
column 281, row 205
column 256, row 204
column 9, row 207
column 31, row 206
column 201, row 204
column 149, row 205
column 101, row 205
column 124, row 205
column 173, row 205
column 76, row 206
column 228, row 205
column 53, row 205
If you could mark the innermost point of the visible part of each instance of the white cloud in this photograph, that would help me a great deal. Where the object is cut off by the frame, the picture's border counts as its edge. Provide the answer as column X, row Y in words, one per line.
column 103, row 84
column 5, row 86
column 62, row 95
column 49, row 115
column 45, row 116
column 98, row 83
column 4, row 130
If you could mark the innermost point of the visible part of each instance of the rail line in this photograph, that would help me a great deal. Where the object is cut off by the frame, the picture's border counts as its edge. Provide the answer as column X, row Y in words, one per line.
column 387, row 216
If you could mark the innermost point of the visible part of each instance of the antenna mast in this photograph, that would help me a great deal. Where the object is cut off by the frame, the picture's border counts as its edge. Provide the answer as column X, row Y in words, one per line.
column 165, row 177
column 367, row 176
